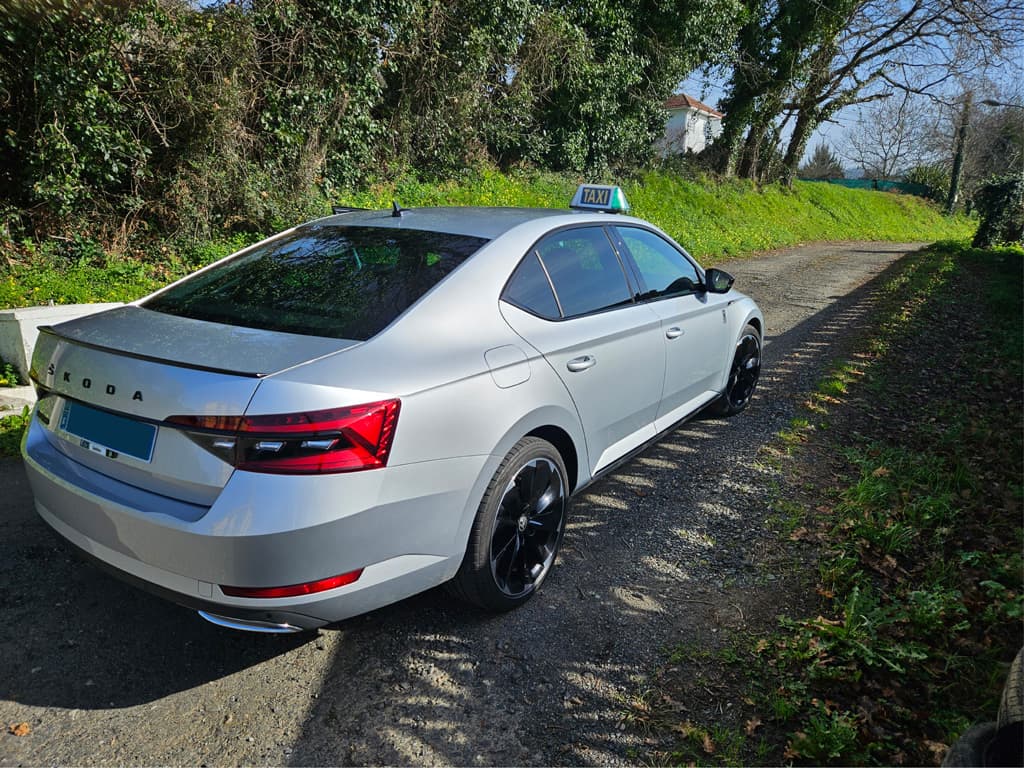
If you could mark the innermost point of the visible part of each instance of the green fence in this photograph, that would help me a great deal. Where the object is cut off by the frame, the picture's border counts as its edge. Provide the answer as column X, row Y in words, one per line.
column 881, row 184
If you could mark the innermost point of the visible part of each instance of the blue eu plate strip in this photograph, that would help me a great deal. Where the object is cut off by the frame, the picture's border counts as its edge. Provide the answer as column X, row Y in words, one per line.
column 108, row 434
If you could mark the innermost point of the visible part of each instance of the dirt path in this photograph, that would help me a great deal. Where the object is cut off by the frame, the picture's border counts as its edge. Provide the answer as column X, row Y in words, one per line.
column 104, row 674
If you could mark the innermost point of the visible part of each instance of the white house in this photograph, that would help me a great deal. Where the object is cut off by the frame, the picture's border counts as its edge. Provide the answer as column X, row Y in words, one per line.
column 692, row 125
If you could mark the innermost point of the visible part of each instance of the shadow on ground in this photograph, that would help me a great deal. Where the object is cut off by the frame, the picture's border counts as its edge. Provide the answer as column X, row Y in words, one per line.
column 73, row 637
column 671, row 549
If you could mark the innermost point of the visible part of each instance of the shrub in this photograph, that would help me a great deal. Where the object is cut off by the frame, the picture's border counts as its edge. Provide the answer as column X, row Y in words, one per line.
column 1000, row 204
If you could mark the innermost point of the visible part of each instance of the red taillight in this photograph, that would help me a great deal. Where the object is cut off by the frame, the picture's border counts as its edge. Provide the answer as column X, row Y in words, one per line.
column 334, row 440
column 307, row 588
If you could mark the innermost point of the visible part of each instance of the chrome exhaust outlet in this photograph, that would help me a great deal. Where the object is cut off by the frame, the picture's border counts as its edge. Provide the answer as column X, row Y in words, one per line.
column 250, row 625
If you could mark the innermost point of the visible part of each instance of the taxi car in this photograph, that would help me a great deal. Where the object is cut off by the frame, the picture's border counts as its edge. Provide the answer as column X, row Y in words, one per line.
column 377, row 402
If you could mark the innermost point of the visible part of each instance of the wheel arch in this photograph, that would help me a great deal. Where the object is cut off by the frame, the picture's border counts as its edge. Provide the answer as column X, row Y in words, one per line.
column 565, row 446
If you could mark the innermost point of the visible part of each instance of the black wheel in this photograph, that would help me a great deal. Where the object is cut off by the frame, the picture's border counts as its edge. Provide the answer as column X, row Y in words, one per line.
column 743, row 375
column 518, row 528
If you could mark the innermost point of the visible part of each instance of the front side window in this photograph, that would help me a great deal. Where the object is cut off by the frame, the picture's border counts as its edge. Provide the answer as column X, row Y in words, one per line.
column 584, row 270
column 663, row 270
column 322, row 280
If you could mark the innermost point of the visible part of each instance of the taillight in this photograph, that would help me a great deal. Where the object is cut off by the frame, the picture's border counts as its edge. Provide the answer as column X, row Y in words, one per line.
column 334, row 440
column 307, row 588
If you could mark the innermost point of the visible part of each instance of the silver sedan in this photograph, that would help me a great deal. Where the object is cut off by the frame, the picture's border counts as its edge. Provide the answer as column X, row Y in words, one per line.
column 378, row 402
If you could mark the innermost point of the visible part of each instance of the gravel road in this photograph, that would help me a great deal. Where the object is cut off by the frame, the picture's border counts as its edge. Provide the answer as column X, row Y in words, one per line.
column 668, row 550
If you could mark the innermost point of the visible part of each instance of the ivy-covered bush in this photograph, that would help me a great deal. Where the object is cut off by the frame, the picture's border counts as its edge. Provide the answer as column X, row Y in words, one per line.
column 1000, row 205
column 196, row 118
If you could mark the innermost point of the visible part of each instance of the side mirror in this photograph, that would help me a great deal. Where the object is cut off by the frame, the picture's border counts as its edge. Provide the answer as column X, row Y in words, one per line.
column 718, row 281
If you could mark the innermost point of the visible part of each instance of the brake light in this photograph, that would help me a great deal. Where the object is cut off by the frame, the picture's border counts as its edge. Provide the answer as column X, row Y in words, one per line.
column 346, row 439
column 307, row 588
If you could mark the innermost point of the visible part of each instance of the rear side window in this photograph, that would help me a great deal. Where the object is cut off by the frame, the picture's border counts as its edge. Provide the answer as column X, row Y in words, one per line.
column 322, row 280
column 529, row 289
column 584, row 270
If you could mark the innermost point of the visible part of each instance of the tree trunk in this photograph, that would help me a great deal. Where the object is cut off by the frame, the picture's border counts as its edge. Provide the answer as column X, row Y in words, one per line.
column 806, row 122
column 751, row 147
column 958, row 155
column 732, row 133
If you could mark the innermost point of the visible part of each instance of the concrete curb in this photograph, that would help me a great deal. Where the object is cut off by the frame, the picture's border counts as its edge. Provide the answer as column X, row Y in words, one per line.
column 14, row 399
column 19, row 329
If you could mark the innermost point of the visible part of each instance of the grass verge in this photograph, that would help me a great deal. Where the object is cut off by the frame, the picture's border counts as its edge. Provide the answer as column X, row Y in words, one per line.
column 713, row 220
column 917, row 535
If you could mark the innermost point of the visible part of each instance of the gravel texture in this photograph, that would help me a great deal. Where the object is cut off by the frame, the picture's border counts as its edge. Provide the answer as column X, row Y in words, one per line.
column 670, row 549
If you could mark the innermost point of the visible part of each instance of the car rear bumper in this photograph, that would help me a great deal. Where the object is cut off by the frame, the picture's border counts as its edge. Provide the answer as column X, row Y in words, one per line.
column 266, row 531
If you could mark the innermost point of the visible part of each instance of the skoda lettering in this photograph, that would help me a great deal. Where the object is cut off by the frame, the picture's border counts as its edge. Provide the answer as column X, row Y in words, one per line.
column 86, row 383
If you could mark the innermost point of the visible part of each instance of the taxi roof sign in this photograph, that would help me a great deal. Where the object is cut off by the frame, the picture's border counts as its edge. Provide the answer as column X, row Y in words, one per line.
column 600, row 197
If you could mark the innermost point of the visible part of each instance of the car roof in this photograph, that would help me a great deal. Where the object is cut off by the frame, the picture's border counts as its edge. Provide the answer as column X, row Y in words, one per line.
column 488, row 223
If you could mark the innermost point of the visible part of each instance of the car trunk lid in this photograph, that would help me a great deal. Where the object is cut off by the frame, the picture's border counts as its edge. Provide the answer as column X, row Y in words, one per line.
column 108, row 383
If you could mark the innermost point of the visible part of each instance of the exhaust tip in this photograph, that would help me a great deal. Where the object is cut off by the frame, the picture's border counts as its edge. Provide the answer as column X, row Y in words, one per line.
column 250, row 625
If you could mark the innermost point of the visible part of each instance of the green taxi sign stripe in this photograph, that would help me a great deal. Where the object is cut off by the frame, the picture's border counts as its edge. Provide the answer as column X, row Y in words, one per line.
column 600, row 197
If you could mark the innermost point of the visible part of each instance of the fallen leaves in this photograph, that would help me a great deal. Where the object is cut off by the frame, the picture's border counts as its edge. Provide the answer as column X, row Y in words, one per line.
column 752, row 725
column 19, row 729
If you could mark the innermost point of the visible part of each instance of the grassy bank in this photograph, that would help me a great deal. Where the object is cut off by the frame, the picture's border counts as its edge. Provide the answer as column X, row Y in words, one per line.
column 713, row 220
column 903, row 483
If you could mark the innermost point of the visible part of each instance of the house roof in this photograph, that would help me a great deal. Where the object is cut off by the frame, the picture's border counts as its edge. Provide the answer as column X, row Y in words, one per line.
column 682, row 101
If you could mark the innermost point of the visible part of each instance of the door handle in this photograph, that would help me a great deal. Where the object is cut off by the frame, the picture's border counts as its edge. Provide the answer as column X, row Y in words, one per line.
column 578, row 364
column 674, row 332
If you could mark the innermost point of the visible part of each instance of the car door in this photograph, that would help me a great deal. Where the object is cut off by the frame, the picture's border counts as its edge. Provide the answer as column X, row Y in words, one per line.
column 693, row 322
column 571, row 299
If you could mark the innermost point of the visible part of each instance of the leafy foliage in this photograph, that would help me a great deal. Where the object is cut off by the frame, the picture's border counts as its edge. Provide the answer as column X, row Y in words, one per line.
column 12, row 428
column 1000, row 203
column 168, row 116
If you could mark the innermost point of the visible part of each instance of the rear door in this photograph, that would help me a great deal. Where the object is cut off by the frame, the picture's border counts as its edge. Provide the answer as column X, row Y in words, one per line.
column 606, row 349
column 693, row 322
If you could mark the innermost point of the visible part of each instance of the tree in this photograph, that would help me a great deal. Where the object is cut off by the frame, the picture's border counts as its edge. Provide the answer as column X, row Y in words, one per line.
column 914, row 46
column 806, row 61
column 824, row 164
column 887, row 140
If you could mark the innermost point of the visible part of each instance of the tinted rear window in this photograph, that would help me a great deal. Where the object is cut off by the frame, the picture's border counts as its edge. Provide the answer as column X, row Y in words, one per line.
column 322, row 280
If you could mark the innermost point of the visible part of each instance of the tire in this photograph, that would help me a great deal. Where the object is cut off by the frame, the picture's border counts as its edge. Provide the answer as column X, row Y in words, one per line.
column 743, row 374
column 1011, row 706
column 518, row 529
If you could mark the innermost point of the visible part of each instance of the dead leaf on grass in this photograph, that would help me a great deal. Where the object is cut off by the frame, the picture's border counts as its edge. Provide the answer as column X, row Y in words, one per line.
column 708, row 744
column 937, row 748
column 752, row 725
column 880, row 472
column 19, row 729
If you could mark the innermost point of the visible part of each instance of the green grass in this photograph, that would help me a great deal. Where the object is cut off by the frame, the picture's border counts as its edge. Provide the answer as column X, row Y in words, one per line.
column 713, row 220
column 12, row 427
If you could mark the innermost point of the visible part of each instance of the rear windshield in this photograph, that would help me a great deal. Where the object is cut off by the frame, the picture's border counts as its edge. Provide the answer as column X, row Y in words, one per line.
column 322, row 280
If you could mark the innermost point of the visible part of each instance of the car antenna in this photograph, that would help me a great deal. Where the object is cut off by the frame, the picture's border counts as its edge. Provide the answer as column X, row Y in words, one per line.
column 396, row 209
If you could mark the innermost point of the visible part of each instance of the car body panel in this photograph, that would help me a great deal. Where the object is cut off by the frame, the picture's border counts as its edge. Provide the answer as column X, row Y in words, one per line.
column 195, row 343
column 696, row 356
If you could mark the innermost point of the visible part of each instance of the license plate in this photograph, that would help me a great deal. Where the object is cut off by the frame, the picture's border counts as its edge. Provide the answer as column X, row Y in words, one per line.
column 108, row 434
